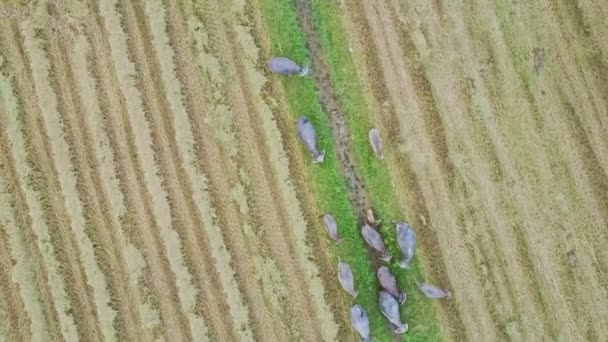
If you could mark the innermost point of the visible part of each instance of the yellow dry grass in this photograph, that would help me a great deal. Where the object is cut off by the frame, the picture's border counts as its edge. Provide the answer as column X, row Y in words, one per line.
column 124, row 215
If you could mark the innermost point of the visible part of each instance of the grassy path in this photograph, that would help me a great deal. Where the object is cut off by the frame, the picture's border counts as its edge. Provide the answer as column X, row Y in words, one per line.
column 328, row 183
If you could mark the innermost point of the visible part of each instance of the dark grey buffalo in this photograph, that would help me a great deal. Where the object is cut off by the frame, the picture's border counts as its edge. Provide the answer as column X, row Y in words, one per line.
column 389, row 283
column 433, row 292
column 285, row 66
column 390, row 309
column 373, row 238
column 308, row 135
column 332, row 228
column 360, row 322
column 376, row 141
column 406, row 239
column 345, row 277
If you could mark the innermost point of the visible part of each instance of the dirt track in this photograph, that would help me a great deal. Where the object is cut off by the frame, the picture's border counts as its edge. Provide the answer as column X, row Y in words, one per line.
column 151, row 184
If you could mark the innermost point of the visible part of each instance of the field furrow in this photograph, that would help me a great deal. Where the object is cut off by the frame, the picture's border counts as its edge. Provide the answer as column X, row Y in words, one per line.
column 185, row 142
column 30, row 269
column 546, row 183
column 267, row 214
column 481, row 88
column 581, row 57
column 486, row 177
column 481, row 245
column 294, row 220
column 578, row 108
column 67, row 175
column 273, row 226
column 207, row 144
column 513, row 163
column 113, row 205
column 99, row 225
column 579, row 98
column 46, row 184
column 183, row 211
column 234, row 233
column 481, row 185
column 18, row 323
column 135, row 168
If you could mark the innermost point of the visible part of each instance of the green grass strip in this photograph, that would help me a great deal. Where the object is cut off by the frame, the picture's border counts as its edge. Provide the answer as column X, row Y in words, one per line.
column 328, row 185
column 418, row 311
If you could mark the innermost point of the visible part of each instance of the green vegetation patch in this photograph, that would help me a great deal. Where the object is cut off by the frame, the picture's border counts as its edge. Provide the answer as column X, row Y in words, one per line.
column 328, row 184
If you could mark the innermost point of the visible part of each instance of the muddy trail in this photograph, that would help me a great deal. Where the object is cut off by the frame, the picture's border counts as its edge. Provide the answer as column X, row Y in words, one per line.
column 331, row 106
column 340, row 131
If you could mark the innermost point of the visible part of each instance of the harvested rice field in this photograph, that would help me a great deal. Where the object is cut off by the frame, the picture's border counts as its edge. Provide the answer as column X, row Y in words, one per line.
column 153, row 185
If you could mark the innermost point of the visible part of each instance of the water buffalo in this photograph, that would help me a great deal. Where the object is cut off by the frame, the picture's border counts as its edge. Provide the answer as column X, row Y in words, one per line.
column 376, row 141
column 390, row 309
column 360, row 322
column 285, row 66
column 389, row 283
column 373, row 238
column 345, row 277
column 432, row 292
column 332, row 228
column 406, row 239
column 308, row 135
